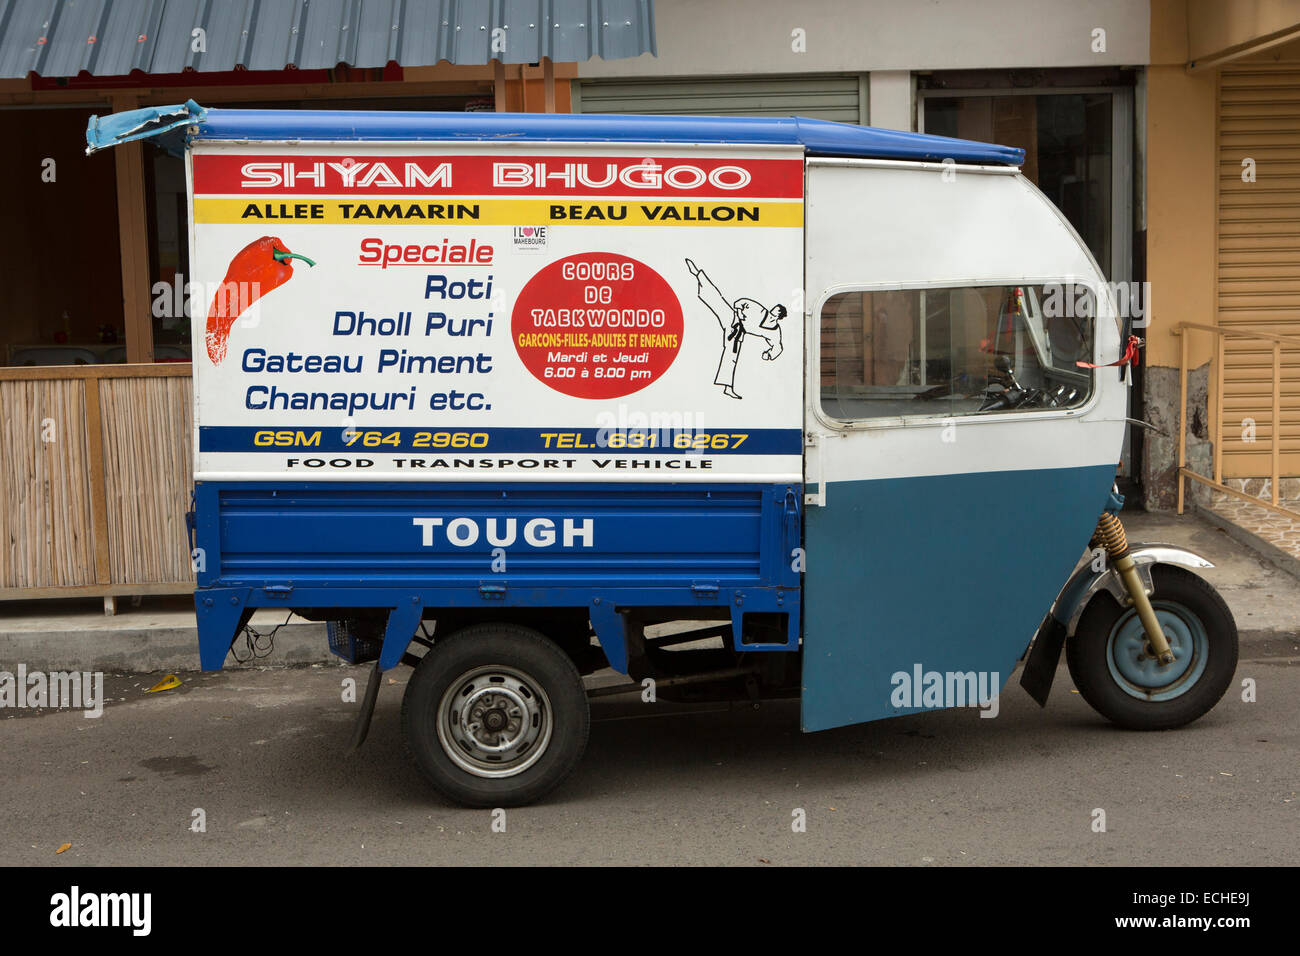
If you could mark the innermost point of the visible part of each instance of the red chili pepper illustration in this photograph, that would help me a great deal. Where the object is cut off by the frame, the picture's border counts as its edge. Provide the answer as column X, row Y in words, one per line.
column 260, row 267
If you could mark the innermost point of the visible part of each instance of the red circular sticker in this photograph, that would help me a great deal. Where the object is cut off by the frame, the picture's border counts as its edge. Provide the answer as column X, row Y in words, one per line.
column 597, row 325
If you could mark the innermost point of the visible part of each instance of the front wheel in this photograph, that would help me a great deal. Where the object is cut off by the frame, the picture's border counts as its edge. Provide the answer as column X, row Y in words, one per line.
column 1115, row 671
column 495, row 715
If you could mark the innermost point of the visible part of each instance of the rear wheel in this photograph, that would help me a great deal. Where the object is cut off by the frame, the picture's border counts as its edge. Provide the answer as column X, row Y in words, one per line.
column 495, row 715
column 1115, row 671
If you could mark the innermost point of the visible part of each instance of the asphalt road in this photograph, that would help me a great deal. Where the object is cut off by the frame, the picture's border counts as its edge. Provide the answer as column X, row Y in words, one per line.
column 261, row 752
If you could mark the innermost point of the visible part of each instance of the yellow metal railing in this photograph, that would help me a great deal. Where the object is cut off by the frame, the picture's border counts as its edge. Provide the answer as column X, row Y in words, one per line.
column 1221, row 335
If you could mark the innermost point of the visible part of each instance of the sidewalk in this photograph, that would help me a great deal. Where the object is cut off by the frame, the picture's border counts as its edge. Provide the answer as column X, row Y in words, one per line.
column 1263, row 598
column 1274, row 535
column 160, row 634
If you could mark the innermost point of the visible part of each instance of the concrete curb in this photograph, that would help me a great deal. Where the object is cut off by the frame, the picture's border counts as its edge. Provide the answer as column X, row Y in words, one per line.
column 1265, row 549
column 149, row 649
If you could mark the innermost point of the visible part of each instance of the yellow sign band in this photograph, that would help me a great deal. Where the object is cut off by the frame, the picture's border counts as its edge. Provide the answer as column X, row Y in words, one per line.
column 371, row 211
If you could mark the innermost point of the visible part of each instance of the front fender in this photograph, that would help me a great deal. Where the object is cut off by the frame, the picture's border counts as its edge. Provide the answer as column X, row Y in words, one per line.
column 1085, row 582
column 1079, row 590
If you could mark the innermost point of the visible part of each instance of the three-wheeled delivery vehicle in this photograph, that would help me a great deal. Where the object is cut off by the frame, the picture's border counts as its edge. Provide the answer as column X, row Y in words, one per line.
column 745, row 408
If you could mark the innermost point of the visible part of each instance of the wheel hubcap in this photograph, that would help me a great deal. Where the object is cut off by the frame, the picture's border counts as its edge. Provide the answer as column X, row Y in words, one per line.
column 1133, row 665
column 494, row 721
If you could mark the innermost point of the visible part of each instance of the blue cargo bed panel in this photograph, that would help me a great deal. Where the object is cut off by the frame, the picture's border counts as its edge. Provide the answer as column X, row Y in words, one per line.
column 412, row 549
column 548, row 535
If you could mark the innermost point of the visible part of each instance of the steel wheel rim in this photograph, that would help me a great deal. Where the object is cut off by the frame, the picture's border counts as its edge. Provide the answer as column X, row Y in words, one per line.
column 494, row 721
column 1137, row 674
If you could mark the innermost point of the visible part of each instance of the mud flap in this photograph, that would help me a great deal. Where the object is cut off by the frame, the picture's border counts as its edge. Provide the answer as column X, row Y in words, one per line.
column 1040, row 668
column 611, row 630
column 362, row 727
column 398, row 634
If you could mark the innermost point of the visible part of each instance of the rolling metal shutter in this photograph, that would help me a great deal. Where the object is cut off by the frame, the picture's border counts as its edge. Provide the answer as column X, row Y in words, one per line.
column 839, row 97
column 1259, row 260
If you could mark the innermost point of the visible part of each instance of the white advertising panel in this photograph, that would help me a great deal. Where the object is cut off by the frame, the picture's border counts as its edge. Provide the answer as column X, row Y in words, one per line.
column 479, row 312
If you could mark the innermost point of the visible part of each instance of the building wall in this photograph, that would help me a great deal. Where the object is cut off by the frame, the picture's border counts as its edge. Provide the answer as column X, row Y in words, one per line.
column 710, row 37
column 1215, row 27
column 1182, row 224
column 1180, row 249
column 1180, row 217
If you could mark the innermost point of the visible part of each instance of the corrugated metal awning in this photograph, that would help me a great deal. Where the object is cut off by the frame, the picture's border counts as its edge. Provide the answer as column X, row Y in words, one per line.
column 114, row 37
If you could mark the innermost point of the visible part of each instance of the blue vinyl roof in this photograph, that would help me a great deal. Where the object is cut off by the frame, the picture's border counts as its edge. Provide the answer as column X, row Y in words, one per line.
column 817, row 137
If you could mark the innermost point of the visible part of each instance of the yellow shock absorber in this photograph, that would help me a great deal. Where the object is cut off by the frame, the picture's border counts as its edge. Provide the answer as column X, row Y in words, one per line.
column 1110, row 534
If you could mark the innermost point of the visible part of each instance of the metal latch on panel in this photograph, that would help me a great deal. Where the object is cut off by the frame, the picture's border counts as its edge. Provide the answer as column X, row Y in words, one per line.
column 813, row 472
column 492, row 592
column 706, row 590
column 278, row 590
column 790, row 505
column 790, row 521
column 191, row 524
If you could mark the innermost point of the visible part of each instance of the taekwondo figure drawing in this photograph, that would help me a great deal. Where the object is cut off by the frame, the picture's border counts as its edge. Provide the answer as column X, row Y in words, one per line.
column 738, row 320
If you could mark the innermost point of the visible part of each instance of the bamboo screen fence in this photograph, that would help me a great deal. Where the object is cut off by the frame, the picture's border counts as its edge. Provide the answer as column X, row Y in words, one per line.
column 95, row 480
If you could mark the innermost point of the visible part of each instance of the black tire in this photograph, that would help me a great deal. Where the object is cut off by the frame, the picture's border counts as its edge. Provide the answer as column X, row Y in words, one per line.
column 1102, row 654
column 512, row 676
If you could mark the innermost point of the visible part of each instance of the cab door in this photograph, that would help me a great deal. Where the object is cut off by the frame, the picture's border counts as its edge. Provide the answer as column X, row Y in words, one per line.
column 938, row 531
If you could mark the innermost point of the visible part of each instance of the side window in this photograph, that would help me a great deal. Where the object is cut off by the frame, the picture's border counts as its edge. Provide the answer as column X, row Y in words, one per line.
column 965, row 350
